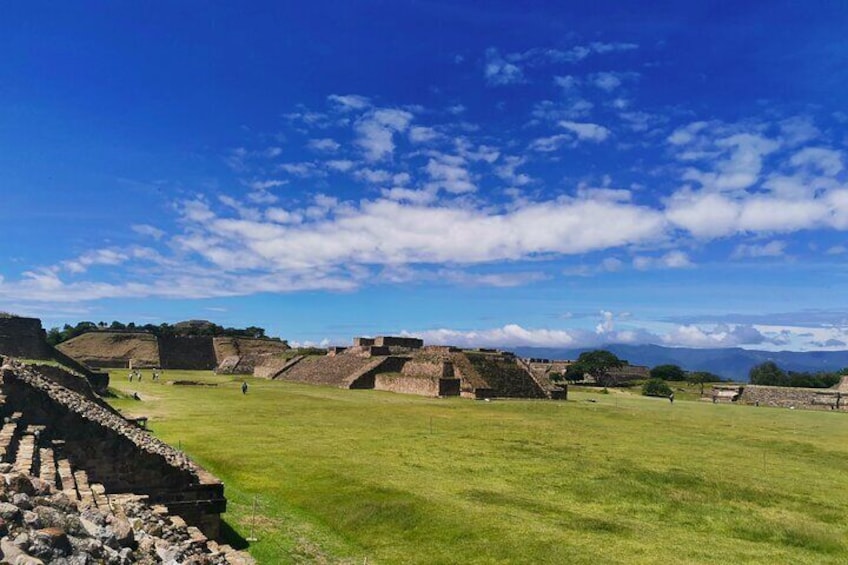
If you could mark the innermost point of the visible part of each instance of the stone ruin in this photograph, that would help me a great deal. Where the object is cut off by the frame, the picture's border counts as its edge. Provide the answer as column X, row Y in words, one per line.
column 135, row 349
column 834, row 398
column 81, row 484
column 404, row 364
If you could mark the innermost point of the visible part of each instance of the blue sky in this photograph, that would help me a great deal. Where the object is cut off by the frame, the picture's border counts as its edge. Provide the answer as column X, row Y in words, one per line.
column 473, row 173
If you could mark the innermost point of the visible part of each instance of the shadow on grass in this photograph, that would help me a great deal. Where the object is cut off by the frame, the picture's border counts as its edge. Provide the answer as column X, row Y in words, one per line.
column 232, row 537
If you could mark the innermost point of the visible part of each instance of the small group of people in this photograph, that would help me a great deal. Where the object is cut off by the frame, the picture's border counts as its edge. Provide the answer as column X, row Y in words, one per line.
column 137, row 375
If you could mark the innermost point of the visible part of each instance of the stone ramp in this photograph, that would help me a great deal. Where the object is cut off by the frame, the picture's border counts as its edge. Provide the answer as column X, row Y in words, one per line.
column 841, row 386
column 272, row 368
column 542, row 380
column 505, row 376
column 339, row 371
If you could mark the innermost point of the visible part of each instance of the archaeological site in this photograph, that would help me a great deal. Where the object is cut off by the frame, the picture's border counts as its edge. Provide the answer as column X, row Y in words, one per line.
column 82, row 484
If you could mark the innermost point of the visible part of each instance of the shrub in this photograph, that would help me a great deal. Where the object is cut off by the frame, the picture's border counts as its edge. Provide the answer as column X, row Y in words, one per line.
column 656, row 387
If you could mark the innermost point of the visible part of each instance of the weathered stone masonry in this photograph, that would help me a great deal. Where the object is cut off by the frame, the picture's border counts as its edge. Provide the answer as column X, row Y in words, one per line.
column 112, row 451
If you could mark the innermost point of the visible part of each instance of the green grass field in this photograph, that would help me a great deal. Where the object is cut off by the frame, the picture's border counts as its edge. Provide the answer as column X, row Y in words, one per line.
column 370, row 477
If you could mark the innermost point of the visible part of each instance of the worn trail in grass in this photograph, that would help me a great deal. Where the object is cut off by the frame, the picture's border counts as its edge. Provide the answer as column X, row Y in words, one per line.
column 339, row 475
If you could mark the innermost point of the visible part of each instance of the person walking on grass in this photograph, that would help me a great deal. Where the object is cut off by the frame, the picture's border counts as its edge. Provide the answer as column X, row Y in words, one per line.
column 244, row 387
column 671, row 398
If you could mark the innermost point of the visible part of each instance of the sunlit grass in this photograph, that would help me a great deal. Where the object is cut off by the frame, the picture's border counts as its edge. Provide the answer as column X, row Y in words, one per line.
column 348, row 475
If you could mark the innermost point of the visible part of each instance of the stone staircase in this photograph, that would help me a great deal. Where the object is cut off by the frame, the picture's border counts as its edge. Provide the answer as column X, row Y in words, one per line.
column 28, row 454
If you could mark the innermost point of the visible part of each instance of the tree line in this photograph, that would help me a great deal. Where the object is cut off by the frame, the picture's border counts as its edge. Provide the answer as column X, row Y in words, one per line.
column 602, row 366
column 770, row 374
column 58, row 335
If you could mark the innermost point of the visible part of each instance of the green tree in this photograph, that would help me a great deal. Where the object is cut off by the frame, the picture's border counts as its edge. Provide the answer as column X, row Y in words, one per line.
column 598, row 364
column 702, row 377
column 668, row 373
column 656, row 387
column 769, row 374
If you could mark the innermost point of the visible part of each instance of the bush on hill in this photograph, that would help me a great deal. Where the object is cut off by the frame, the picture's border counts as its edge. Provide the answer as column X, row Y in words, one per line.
column 656, row 387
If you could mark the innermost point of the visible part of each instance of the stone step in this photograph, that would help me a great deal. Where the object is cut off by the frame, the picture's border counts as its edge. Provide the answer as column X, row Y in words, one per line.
column 25, row 455
column 8, row 441
column 100, row 499
column 47, row 469
column 86, row 496
column 66, row 479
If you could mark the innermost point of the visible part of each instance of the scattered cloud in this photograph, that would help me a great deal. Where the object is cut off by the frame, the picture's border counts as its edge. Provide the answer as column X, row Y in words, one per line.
column 148, row 230
column 771, row 249
column 500, row 72
column 586, row 131
column 324, row 144
column 375, row 132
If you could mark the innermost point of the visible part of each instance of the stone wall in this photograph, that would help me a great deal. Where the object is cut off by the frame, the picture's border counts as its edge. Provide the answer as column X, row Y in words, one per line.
column 393, row 341
column 23, row 338
column 187, row 352
column 789, row 397
column 78, row 384
column 428, row 369
column 421, row 385
column 366, row 376
column 115, row 453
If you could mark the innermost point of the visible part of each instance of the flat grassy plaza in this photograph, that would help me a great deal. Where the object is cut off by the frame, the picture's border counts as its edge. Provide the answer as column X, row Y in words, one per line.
column 323, row 475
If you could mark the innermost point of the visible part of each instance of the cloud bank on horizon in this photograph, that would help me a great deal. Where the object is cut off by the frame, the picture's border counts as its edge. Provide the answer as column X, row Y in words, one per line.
column 572, row 168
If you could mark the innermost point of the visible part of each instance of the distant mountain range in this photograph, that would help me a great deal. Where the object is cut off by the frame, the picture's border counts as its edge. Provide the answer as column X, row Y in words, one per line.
column 730, row 363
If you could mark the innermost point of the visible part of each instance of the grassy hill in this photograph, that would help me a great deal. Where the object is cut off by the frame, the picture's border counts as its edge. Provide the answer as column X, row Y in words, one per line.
column 338, row 476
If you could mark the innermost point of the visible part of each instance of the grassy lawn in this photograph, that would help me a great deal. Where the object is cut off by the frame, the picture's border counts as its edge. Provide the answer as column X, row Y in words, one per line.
column 366, row 476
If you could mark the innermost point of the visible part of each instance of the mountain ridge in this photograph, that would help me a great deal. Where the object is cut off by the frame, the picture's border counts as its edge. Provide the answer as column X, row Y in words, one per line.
column 730, row 363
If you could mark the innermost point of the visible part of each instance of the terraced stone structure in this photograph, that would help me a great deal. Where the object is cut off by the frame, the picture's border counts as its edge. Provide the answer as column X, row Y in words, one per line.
column 99, row 460
column 405, row 365
column 121, row 348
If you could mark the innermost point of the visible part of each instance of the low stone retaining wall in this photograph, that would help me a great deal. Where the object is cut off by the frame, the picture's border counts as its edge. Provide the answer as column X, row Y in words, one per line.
column 424, row 386
column 429, row 369
column 791, row 397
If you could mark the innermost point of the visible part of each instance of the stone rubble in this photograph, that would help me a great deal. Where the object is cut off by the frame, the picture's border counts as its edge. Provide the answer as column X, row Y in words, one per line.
column 40, row 525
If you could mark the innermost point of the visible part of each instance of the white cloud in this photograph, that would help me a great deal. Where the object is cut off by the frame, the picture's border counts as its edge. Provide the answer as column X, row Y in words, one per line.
column 83, row 262
column 798, row 130
column 349, row 102
column 549, row 144
column 508, row 335
column 375, row 131
column 824, row 161
column 340, row 165
column 507, row 171
column 324, row 144
column 449, row 172
column 499, row 72
column 671, row 260
column 586, row 131
column 374, row 176
column 606, row 81
column 771, row 249
column 567, row 82
column 721, row 335
column 148, row 230
column 421, row 134
column 388, row 232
